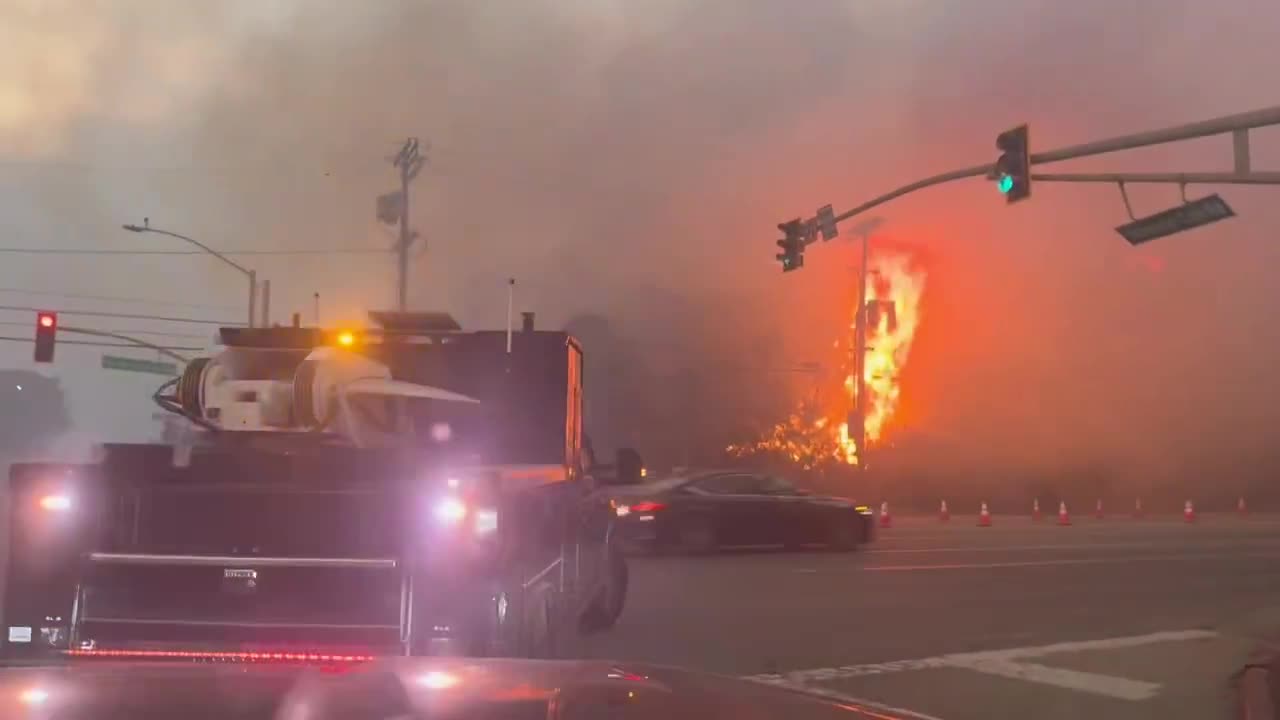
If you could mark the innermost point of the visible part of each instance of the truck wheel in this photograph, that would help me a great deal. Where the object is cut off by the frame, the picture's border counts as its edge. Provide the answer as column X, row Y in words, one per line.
column 541, row 631
column 607, row 605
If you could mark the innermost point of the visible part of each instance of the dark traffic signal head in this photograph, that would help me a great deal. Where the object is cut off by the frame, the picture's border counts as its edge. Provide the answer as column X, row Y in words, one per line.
column 792, row 245
column 46, row 334
column 1013, row 167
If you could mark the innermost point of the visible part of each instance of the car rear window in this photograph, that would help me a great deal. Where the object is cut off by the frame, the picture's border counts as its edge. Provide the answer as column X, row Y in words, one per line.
column 662, row 485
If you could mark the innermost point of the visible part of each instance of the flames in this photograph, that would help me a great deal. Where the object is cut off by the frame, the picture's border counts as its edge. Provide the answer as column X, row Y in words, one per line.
column 894, row 290
column 818, row 433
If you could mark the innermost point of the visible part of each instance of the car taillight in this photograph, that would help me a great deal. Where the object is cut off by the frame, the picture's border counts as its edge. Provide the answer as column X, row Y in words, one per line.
column 647, row 506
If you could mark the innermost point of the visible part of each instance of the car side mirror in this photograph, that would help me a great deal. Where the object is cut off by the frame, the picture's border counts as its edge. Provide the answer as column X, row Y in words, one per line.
column 630, row 466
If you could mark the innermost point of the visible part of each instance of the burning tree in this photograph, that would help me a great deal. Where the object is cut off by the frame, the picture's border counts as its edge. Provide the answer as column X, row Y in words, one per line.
column 817, row 433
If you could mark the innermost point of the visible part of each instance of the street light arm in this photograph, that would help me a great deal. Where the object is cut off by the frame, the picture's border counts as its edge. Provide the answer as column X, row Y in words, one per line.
column 193, row 241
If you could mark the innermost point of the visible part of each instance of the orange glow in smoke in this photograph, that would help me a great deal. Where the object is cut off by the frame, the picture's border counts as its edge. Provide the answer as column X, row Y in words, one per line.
column 813, row 436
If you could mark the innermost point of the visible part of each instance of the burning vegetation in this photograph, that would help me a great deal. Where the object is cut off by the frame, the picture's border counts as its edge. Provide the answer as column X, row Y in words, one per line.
column 817, row 432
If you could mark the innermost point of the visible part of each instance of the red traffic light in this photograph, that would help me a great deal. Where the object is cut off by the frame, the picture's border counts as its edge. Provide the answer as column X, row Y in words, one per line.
column 46, row 332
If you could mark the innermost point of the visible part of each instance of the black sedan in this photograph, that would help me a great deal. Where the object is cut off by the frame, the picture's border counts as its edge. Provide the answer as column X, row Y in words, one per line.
column 704, row 511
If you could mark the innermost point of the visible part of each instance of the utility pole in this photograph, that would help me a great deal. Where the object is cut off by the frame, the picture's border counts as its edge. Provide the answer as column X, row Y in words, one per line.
column 857, row 419
column 860, row 358
column 266, row 303
column 409, row 162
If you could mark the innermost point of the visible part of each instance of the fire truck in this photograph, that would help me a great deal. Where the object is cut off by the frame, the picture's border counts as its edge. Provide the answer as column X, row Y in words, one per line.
column 408, row 489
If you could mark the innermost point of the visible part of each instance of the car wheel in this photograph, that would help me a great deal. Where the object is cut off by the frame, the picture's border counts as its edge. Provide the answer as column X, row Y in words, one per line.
column 698, row 536
column 843, row 536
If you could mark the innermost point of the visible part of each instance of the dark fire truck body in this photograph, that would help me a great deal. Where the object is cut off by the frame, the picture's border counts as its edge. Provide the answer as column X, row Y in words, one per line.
column 412, row 489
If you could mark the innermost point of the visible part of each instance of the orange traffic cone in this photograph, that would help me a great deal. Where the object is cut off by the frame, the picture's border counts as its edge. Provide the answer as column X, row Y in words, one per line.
column 1240, row 508
column 886, row 520
column 1188, row 512
column 943, row 513
column 984, row 516
column 1097, row 512
column 1063, row 517
column 1137, row 507
column 1035, row 509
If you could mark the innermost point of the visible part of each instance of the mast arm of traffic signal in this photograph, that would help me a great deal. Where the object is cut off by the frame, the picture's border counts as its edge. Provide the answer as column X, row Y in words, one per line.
column 1239, row 123
column 1183, row 178
column 125, row 338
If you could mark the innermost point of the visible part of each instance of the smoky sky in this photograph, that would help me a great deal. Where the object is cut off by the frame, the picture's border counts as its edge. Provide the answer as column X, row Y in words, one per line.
column 632, row 158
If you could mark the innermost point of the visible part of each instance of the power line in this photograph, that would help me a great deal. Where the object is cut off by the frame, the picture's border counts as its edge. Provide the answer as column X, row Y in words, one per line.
column 127, row 316
column 345, row 166
column 93, row 343
column 160, row 333
column 113, row 298
column 99, row 251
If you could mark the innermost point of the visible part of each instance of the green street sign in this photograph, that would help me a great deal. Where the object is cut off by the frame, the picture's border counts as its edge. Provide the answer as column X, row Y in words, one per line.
column 113, row 362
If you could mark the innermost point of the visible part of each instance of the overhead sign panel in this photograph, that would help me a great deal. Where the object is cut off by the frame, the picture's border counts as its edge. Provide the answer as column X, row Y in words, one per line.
column 1189, row 215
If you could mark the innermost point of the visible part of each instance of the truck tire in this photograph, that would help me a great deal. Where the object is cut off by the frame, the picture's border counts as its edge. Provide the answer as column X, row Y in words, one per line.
column 540, row 629
column 606, row 607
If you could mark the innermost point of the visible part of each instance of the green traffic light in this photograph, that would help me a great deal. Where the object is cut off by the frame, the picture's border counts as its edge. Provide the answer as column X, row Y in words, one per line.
column 1005, row 184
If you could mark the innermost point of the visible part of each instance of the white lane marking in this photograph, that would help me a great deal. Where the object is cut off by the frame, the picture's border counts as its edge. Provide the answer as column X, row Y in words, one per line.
column 1115, row 643
column 1001, row 662
column 866, row 707
column 1068, row 561
column 1106, row 685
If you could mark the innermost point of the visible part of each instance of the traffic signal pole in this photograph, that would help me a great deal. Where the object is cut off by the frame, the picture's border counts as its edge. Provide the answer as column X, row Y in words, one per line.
column 1238, row 125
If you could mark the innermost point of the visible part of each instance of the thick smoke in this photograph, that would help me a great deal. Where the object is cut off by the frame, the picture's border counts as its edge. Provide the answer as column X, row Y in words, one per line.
column 631, row 159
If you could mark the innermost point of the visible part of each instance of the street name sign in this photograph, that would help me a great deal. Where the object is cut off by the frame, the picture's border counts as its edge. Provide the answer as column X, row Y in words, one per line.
column 114, row 362
column 1189, row 215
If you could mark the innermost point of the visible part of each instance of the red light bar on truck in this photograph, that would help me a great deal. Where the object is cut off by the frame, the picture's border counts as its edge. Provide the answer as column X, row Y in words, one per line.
column 251, row 561
column 221, row 656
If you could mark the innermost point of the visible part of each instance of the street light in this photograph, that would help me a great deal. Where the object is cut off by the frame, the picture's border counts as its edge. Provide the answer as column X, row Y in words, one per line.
column 252, row 275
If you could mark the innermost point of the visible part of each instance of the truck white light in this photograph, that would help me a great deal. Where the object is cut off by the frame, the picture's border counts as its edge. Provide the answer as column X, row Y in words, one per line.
column 438, row 680
column 486, row 521
column 55, row 503
column 450, row 510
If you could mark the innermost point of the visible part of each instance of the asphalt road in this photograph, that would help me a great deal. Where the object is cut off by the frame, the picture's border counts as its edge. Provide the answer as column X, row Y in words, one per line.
column 956, row 621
